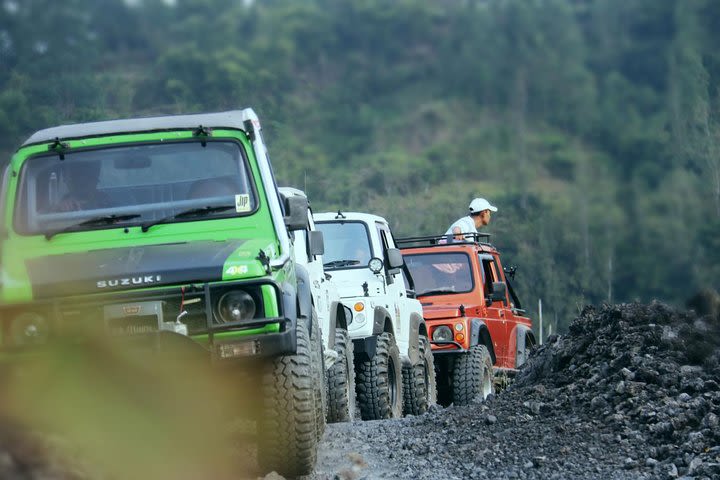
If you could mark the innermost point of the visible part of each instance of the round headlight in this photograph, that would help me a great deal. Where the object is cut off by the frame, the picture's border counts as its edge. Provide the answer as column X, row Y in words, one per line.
column 442, row 334
column 359, row 319
column 236, row 305
column 375, row 265
column 29, row 329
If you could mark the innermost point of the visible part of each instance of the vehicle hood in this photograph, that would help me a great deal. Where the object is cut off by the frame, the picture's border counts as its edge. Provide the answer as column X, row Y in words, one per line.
column 449, row 310
column 128, row 268
column 349, row 283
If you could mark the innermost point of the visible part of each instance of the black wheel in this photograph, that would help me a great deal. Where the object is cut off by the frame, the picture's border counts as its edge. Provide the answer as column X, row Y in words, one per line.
column 379, row 382
column 287, row 428
column 419, row 388
column 341, row 381
column 319, row 380
column 473, row 376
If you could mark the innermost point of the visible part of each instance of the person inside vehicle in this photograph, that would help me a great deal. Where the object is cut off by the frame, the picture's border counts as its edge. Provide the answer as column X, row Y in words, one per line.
column 480, row 212
column 81, row 179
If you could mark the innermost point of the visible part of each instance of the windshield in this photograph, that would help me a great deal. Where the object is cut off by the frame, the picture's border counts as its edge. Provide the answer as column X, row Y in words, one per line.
column 440, row 272
column 347, row 244
column 140, row 183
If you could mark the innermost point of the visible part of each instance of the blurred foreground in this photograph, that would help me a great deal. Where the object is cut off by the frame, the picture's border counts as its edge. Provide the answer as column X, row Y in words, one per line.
column 105, row 411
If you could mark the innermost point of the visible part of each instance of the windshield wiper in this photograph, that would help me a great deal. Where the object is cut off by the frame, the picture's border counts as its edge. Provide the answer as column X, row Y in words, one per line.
column 103, row 220
column 193, row 212
column 341, row 263
column 440, row 291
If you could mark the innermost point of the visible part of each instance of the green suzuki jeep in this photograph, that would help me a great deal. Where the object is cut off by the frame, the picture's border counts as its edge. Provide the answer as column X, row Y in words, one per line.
column 167, row 229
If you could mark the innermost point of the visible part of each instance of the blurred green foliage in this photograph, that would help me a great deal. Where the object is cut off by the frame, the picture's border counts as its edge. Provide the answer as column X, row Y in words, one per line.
column 593, row 124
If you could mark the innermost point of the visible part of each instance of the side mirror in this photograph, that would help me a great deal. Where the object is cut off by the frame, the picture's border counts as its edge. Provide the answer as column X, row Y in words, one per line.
column 296, row 213
column 317, row 242
column 499, row 293
column 394, row 258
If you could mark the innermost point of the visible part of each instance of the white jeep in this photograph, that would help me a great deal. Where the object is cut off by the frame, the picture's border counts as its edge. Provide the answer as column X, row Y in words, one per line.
column 394, row 366
column 333, row 318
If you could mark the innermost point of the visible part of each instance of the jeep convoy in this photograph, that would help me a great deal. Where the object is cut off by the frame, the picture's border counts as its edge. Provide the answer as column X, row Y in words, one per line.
column 172, row 230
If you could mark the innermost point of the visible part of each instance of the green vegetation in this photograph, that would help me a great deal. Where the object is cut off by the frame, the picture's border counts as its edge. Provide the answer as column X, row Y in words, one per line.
column 593, row 124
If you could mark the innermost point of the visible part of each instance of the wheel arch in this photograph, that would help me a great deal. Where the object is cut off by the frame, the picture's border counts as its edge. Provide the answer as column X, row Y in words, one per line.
column 480, row 335
column 382, row 321
column 525, row 339
column 304, row 295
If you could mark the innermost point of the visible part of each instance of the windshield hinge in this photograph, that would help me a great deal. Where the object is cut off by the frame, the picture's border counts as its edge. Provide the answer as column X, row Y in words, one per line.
column 202, row 132
column 366, row 291
column 462, row 310
column 265, row 260
column 249, row 129
column 59, row 147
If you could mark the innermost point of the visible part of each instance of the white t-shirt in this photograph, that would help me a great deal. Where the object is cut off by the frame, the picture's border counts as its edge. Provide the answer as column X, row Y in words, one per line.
column 466, row 224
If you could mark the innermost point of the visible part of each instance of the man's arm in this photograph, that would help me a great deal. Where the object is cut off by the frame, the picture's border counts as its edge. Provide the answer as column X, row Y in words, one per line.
column 457, row 231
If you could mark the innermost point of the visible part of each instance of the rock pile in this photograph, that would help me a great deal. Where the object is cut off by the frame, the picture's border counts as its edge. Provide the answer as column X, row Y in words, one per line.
column 650, row 372
column 631, row 391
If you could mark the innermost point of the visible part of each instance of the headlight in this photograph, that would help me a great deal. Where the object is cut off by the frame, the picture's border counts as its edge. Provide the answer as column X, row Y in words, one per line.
column 359, row 319
column 442, row 334
column 236, row 305
column 29, row 329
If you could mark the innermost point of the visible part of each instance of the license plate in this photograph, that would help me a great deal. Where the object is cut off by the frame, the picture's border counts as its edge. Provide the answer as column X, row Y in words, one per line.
column 133, row 325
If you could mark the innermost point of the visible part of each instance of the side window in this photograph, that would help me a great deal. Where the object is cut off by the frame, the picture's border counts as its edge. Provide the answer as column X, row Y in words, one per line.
column 489, row 274
column 381, row 235
column 302, row 237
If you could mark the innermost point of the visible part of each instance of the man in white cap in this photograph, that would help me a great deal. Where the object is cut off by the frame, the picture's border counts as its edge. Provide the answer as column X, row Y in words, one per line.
column 480, row 210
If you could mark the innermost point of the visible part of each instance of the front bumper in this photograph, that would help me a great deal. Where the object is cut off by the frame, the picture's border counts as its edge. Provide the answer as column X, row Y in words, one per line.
column 101, row 317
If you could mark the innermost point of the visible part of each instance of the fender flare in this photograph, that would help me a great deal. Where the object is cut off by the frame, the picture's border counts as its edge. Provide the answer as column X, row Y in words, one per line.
column 417, row 326
column 523, row 333
column 289, row 303
column 382, row 321
column 338, row 319
column 480, row 335
column 304, row 295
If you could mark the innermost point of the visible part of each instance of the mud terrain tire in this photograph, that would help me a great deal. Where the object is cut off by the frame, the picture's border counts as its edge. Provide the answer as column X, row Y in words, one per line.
column 473, row 376
column 379, row 382
column 287, row 430
column 419, row 388
column 341, row 381
column 317, row 347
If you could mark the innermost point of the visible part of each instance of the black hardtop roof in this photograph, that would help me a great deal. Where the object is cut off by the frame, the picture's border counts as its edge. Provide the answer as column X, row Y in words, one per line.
column 445, row 241
column 234, row 119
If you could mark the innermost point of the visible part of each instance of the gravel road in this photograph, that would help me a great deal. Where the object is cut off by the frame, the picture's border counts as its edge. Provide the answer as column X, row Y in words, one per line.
column 632, row 391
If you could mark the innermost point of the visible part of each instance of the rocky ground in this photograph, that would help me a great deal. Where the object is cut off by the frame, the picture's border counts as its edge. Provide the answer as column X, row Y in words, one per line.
column 631, row 391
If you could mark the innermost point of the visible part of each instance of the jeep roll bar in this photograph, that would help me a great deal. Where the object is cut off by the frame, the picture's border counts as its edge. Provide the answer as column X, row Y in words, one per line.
column 440, row 240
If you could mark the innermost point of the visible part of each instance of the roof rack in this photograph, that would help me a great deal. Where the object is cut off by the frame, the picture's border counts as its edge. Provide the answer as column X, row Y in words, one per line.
column 436, row 240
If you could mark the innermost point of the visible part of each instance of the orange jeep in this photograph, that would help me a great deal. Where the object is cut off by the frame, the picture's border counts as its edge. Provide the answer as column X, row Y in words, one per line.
column 477, row 326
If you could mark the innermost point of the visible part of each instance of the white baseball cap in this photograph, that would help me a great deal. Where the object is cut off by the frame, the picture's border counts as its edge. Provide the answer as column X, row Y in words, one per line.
column 480, row 204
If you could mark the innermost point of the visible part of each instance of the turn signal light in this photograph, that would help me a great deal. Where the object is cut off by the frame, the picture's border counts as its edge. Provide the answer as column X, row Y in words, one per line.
column 359, row 307
column 459, row 337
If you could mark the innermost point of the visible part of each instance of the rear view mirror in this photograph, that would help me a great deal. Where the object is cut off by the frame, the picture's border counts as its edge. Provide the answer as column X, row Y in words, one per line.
column 317, row 242
column 136, row 162
column 296, row 210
